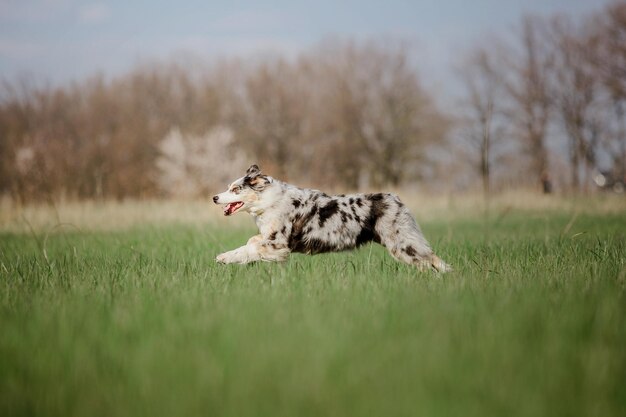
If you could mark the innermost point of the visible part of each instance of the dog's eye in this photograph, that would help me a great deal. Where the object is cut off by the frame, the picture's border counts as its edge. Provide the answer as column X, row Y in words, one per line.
column 236, row 189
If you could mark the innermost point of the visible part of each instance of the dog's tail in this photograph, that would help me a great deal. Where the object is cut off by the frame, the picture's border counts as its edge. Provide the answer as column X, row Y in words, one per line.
column 439, row 265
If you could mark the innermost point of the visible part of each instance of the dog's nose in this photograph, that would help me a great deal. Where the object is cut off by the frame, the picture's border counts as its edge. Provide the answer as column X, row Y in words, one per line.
column 215, row 198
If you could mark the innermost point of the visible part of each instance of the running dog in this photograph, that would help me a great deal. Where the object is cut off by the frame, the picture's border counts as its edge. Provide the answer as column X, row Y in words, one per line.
column 292, row 219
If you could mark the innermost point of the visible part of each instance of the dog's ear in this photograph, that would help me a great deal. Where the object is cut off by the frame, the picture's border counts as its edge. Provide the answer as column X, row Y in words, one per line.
column 254, row 179
column 258, row 182
column 253, row 171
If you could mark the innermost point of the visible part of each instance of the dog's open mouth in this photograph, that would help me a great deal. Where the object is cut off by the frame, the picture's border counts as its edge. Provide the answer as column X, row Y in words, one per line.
column 230, row 208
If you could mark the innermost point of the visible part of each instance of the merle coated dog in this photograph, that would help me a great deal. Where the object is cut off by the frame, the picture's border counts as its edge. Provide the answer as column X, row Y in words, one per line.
column 292, row 219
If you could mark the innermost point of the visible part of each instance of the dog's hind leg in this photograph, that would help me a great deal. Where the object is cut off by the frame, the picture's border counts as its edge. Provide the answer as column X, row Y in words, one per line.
column 402, row 237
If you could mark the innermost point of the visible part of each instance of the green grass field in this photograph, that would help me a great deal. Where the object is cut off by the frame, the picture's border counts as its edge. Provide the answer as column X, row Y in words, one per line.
column 140, row 321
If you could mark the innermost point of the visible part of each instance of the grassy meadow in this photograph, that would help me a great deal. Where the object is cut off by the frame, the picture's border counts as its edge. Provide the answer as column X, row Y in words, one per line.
column 118, row 309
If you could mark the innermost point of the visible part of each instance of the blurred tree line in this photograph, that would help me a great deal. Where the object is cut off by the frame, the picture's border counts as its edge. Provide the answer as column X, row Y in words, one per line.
column 550, row 102
column 343, row 114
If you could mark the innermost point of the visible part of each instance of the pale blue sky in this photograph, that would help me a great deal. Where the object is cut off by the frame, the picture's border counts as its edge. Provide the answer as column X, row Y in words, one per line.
column 63, row 40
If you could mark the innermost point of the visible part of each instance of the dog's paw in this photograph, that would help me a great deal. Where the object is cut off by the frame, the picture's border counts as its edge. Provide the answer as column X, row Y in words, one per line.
column 231, row 257
column 222, row 258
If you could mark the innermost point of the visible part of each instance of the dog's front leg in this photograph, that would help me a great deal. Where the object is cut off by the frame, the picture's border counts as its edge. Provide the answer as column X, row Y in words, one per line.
column 257, row 249
column 242, row 255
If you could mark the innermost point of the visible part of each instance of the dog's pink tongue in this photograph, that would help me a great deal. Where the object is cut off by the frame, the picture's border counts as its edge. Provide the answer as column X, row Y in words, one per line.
column 230, row 207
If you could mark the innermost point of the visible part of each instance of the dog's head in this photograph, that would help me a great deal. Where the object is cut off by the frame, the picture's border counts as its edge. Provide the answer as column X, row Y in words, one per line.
column 244, row 193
